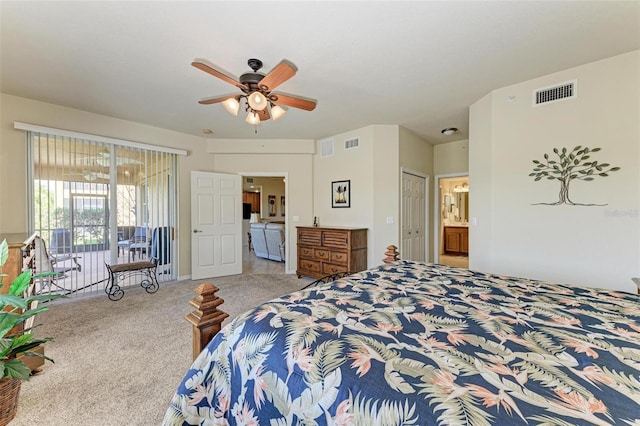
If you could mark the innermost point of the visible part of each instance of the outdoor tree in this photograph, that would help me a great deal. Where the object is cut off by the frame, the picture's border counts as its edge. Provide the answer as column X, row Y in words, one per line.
column 93, row 223
column 570, row 165
column 44, row 203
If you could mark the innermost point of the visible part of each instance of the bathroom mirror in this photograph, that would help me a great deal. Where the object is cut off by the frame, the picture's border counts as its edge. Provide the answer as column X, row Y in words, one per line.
column 449, row 202
column 455, row 200
column 462, row 204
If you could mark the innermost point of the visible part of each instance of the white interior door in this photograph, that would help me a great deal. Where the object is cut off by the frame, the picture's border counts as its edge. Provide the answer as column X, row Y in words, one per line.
column 216, row 225
column 414, row 189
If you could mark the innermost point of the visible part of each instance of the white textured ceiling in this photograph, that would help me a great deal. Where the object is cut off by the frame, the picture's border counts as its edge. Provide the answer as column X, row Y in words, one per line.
column 415, row 64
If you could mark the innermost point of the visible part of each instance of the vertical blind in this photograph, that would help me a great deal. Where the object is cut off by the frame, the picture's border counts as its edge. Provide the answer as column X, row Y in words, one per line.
column 95, row 202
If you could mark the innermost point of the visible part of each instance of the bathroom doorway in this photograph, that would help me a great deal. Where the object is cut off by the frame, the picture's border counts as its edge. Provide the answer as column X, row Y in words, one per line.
column 451, row 237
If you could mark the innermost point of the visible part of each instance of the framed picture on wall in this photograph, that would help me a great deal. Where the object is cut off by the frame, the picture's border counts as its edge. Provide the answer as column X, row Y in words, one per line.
column 341, row 193
column 282, row 205
column 272, row 205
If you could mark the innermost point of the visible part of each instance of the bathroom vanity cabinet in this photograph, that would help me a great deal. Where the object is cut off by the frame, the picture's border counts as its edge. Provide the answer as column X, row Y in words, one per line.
column 456, row 240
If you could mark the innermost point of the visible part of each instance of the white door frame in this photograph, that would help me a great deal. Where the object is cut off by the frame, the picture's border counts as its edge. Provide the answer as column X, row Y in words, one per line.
column 285, row 175
column 426, row 208
column 436, row 211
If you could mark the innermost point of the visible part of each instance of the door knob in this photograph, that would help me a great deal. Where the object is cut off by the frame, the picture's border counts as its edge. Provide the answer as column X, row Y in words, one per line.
column 195, row 231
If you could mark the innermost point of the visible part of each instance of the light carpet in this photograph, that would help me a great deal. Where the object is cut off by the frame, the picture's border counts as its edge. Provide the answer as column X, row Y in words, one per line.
column 119, row 363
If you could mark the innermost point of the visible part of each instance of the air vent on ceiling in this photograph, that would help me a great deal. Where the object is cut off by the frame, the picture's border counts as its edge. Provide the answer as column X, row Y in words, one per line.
column 326, row 148
column 559, row 92
column 351, row 143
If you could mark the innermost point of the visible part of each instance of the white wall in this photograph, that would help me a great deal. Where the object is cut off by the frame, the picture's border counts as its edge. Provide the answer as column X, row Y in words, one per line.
column 355, row 165
column 374, row 171
column 451, row 157
column 386, row 191
column 588, row 245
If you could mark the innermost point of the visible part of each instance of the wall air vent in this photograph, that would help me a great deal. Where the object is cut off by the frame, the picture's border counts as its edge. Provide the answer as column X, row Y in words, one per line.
column 326, row 148
column 249, row 180
column 559, row 92
column 351, row 143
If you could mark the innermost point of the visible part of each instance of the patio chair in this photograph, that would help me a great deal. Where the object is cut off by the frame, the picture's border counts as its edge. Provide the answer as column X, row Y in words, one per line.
column 125, row 234
column 61, row 241
column 58, row 264
column 161, row 245
column 139, row 242
column 61, row 250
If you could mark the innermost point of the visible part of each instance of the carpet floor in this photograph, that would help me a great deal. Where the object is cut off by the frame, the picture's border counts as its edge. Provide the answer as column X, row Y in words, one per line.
column 119, row 363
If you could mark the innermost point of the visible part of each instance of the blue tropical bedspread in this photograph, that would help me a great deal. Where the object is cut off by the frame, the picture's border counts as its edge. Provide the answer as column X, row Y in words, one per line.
column 420, row 344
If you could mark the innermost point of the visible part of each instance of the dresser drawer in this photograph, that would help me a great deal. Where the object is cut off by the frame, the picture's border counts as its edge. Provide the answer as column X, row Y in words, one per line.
column 306, row 252
column 335, row 239
column 340, row 257
column 310, row 237
column 322, row 254
column 309, row 265
column 329, row 268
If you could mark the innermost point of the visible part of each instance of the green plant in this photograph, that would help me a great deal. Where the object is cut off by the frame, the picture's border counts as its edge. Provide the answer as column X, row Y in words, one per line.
column 15, row 309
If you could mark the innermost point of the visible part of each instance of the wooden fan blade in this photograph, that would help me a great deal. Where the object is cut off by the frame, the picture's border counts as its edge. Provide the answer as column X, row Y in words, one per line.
column 293, row 101
column 281, row 73
column 209, row 69
column 264, row 114
column 216, row 99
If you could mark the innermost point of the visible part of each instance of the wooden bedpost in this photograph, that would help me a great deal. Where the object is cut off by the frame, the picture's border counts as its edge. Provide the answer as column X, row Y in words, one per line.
column 206, row 319
column 391, row 254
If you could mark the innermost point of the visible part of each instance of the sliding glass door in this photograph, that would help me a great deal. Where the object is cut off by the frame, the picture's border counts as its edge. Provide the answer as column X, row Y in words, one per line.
column 95, row 203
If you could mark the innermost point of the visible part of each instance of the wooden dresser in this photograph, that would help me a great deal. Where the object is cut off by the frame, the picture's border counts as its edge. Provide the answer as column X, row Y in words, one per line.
column 327, row 250
column 14, row 265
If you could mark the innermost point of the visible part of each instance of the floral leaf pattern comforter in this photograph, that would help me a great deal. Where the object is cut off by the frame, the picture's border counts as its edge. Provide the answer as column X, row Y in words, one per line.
column 422, row 344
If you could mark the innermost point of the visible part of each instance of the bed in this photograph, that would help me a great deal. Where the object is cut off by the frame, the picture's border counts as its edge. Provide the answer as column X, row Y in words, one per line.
column 422, row 344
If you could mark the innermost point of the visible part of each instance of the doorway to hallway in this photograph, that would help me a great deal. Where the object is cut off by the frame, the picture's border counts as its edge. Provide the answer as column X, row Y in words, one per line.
column 265, row 227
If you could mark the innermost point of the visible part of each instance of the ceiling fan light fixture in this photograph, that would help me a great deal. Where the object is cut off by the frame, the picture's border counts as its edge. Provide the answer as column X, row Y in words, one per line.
column 277, row 112
column 257, row 101
column 231, row 105
column 449, row 131
column 256, row 91
column 253, row 118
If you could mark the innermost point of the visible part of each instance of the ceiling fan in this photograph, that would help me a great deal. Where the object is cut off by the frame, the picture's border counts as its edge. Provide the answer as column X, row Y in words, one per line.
column 88, row 176
column 257, row 90
column 103, row 159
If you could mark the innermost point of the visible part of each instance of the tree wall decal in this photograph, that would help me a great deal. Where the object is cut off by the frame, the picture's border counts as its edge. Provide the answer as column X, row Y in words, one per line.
column 571, row 165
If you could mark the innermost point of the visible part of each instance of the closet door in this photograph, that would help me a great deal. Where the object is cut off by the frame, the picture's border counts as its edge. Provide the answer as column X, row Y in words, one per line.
column 414, row 191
